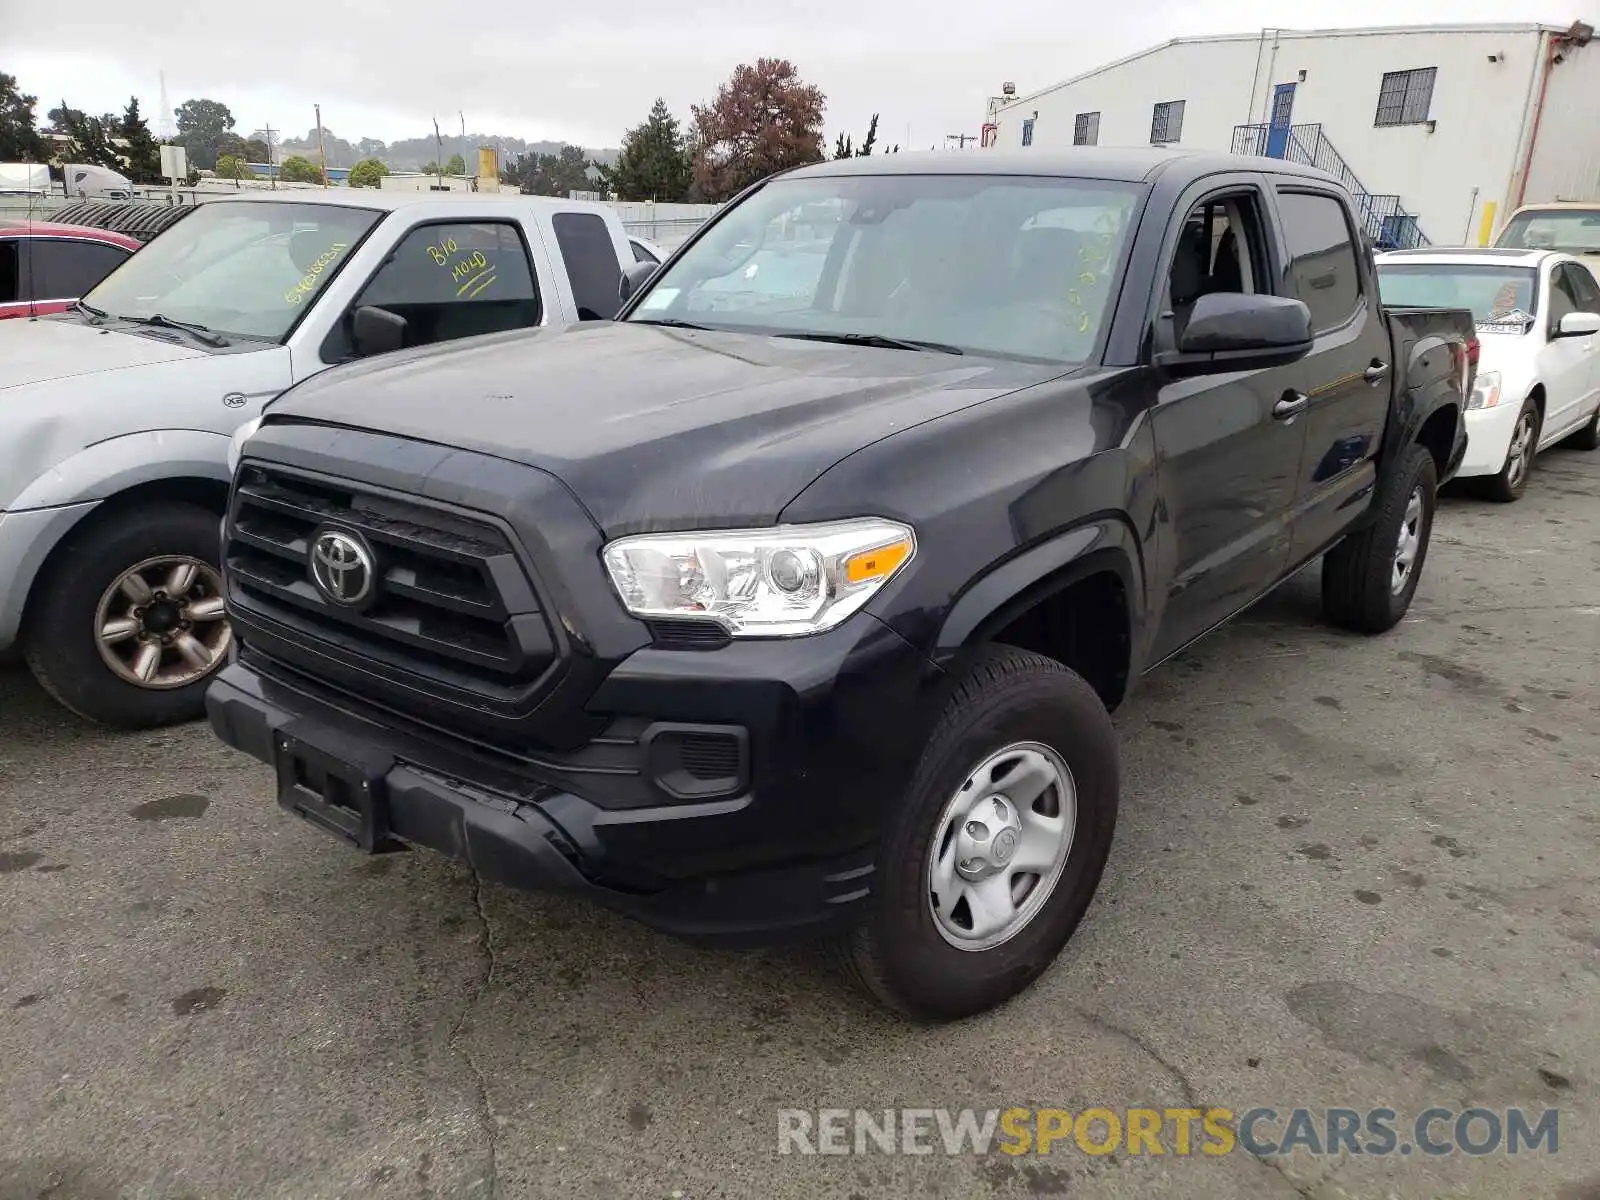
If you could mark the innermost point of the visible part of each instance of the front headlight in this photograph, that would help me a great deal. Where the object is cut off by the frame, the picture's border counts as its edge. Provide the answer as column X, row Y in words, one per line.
column 1486, row 391
column 241, row 435
column 786, row 581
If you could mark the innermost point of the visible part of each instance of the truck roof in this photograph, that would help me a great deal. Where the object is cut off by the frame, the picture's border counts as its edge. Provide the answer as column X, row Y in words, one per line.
column 374, row 198
column 1133, row 164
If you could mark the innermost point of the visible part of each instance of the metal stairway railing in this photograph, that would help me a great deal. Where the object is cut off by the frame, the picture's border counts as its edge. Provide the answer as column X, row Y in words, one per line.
column 1382, row 215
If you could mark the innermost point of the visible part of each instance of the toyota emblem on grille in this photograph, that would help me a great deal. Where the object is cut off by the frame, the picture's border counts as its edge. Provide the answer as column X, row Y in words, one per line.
column 342, row 567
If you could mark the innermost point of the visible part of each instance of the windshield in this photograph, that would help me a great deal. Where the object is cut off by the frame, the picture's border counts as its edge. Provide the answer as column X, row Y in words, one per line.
column 1009, row 266
column 1496, row 295
column 247, row 269
column 1576, row 231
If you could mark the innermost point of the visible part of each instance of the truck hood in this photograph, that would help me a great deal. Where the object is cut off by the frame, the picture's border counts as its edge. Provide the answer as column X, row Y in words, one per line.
column 656, row 428
column 50, row 349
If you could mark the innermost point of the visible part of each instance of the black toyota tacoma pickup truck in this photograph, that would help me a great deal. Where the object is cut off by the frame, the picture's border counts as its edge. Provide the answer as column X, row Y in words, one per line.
column 793, row 601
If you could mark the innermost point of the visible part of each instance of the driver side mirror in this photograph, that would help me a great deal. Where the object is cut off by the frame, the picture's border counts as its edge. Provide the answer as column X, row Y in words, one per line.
column 1578, row 324
column 377, row 330
column 1232, row 331
column 634, row 277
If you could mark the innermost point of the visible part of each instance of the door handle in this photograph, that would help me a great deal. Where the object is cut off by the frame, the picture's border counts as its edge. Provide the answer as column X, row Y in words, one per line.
column 1291, row 406
column 1376, row 371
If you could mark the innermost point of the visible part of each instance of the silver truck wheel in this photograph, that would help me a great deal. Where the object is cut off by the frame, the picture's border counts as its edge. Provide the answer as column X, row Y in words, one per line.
column 125, row 625
column 160, row 624
column 1000, row 845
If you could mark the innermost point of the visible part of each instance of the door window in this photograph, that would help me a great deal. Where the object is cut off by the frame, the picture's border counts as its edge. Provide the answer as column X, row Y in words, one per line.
column 450, row 281
column 592, row 266
column 1322, row 257
column 65, row 270
column 1583, row 286
column 641, row 255
column 10, row 272
column 1562, row 298
column 1220, row 249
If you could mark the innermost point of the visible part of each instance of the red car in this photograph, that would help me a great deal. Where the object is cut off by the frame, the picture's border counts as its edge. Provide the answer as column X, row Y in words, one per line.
column 44, row 267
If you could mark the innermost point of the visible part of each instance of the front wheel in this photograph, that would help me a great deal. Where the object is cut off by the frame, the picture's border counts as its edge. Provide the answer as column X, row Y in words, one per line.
column 126, row 625
column 1512, row 480
column 1368, row 579
column 999, row 843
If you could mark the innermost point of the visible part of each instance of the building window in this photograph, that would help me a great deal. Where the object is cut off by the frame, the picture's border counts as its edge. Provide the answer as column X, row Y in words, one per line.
column 1086, row 131
column 1404, row 97
column 1027, row 132
column 1166, row 123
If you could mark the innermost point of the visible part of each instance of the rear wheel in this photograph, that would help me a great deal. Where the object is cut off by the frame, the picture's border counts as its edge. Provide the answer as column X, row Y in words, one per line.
column 1512, row 480
column 126, row 626
column 999, row 843
column 1587, row 438
column 1368, row 579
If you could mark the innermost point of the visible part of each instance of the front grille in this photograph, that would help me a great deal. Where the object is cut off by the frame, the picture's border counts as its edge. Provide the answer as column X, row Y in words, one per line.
column 450, row 603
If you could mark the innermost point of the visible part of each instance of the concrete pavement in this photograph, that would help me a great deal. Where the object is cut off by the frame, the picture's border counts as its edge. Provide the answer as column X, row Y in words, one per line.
column 1348, row 872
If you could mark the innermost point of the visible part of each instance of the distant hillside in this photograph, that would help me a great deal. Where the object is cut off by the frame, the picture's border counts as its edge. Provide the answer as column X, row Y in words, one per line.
column 412, row 154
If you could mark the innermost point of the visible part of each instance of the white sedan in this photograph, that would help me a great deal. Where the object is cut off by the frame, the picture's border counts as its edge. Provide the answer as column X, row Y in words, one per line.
column 1538, row 315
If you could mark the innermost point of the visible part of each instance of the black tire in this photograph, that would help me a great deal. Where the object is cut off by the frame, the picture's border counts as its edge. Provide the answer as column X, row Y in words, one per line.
column 1587, row 438
column 59, row 642
column 1358, row 574
column 1512, row 480
column 1002, row 696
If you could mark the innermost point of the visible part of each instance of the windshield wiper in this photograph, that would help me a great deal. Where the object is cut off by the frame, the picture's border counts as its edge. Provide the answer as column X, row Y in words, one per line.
column 669, row 322
column 875, row 339
column 199, row 332
column 89, row 310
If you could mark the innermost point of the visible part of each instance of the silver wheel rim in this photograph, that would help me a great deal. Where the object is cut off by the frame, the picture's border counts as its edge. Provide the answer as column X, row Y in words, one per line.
column 1517, row 456
column 1410, row 541
column 160, row 625
column 1001, row 845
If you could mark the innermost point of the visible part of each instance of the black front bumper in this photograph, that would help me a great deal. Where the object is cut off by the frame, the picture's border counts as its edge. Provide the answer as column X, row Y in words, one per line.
column 834, row 723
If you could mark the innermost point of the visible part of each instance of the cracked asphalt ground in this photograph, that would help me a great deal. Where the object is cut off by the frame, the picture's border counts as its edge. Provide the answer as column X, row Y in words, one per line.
column 1348, row 872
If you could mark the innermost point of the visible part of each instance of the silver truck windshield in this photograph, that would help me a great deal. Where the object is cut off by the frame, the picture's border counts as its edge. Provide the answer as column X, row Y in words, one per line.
column 1011, row 266
column 243, row 268
column 1495, row 294
column 1575, row 231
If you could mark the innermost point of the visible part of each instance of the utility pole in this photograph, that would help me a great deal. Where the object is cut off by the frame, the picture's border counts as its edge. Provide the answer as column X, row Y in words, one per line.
column 272, row 166
column 322, row 151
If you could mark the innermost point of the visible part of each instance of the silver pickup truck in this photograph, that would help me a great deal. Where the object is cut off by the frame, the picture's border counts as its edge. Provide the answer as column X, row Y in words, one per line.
column 116, row 418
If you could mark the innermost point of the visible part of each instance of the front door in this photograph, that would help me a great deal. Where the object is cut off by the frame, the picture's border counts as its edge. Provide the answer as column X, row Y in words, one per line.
column 1566, row 364
column 1227, row 461
column 1278, row 128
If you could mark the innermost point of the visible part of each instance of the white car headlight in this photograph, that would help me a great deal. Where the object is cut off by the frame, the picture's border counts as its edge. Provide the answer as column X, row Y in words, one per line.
column 786, row 581
column 241, row 435
column 1486, row 391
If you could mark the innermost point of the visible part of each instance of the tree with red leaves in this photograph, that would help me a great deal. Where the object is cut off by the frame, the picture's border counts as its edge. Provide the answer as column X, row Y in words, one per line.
column 765, row 119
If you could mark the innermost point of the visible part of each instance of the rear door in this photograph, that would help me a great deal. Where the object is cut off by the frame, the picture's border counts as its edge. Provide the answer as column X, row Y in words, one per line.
column 1566, row 364
column 1348, row 377
column 1227, row 463
column 589, row 255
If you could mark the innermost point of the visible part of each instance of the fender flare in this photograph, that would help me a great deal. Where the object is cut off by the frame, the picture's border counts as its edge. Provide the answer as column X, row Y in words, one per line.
column 117, row 464
column 72, row 489
column 1106, row 542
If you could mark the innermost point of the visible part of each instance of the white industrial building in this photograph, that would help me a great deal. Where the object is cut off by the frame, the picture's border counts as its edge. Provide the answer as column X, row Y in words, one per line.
column 1440, row 130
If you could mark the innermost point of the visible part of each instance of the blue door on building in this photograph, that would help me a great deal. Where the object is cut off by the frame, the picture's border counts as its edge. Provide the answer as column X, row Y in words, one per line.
column 1278, row 130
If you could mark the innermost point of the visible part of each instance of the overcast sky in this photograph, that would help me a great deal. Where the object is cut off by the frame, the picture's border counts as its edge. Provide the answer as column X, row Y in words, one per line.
column 584, row 73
